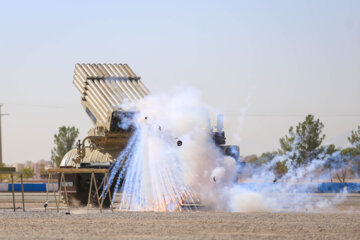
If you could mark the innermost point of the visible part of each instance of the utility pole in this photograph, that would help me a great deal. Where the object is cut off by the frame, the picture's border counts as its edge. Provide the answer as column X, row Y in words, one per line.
column 1, row 114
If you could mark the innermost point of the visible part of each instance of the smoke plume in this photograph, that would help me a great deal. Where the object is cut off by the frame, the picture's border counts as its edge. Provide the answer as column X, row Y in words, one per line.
column 172, row 160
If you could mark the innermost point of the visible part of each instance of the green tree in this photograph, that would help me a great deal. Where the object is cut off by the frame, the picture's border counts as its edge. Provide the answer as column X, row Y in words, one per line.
column 354, row 139
column 352, row 154
column 2, row 176
column 265, row 158
column 28, row 172
column 347, row 162
column 331, row 162
column 286, row 143
column 64, row 141
column 42, row 169
column 305, row 140
column 310, row 133
column 280, row 169
column 330, row 149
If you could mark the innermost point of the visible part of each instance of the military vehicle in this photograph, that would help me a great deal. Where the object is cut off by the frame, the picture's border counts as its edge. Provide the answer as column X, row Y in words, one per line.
column 104, row 88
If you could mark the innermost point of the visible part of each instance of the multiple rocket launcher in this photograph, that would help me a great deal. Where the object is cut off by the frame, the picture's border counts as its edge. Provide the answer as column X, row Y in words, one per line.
column 104, row 88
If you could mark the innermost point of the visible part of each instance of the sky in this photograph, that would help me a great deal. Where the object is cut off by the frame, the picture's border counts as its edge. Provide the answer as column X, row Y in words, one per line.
column 264, row 64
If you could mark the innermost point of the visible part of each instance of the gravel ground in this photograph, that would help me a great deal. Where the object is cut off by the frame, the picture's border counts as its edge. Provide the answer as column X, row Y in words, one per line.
column 343, row 222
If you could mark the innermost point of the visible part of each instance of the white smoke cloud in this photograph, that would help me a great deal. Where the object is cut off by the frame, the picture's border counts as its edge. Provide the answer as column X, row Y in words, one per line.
column 159, row 173
column 244, row 200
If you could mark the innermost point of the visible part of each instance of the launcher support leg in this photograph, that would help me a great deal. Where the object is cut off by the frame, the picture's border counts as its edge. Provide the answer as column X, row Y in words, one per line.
column 13, row 190
column 22, row 191
column 111, row 205
column 53, row 187
column 103, row 191
column 102, row 194
column 91, row 180
column 66, row 196
column 96, row 189
column 47, row 189
column 59, row 192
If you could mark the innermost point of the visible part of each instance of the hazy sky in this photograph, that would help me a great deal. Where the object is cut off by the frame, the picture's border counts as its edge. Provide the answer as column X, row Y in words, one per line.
column 287, row 58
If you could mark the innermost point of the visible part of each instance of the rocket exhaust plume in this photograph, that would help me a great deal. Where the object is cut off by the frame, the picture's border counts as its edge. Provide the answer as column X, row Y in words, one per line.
column 153, row 167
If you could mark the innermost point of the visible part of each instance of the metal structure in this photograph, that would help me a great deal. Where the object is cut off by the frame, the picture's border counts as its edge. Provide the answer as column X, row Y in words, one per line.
column 64, row 188
column 11, row 171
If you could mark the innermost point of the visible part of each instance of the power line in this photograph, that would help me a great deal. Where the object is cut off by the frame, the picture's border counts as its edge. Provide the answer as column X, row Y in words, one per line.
column 228, row 113
column 280, row 114
column 40, row 105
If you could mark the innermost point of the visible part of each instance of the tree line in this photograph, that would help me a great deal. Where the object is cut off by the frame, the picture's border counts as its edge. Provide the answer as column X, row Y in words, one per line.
column 303, row 145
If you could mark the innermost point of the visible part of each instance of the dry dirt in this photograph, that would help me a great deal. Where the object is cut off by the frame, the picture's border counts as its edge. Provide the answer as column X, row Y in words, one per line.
column 342, row 222
column 186, row 225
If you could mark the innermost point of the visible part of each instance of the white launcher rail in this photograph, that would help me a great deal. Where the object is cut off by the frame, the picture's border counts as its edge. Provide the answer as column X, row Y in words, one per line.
column 104, row 87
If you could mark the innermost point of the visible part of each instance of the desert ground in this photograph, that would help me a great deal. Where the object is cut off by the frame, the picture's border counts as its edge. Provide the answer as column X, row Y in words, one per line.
column 340, row 222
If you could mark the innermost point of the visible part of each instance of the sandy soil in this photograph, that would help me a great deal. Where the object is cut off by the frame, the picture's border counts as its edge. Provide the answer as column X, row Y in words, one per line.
column 188, row 225
column 343, row 222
